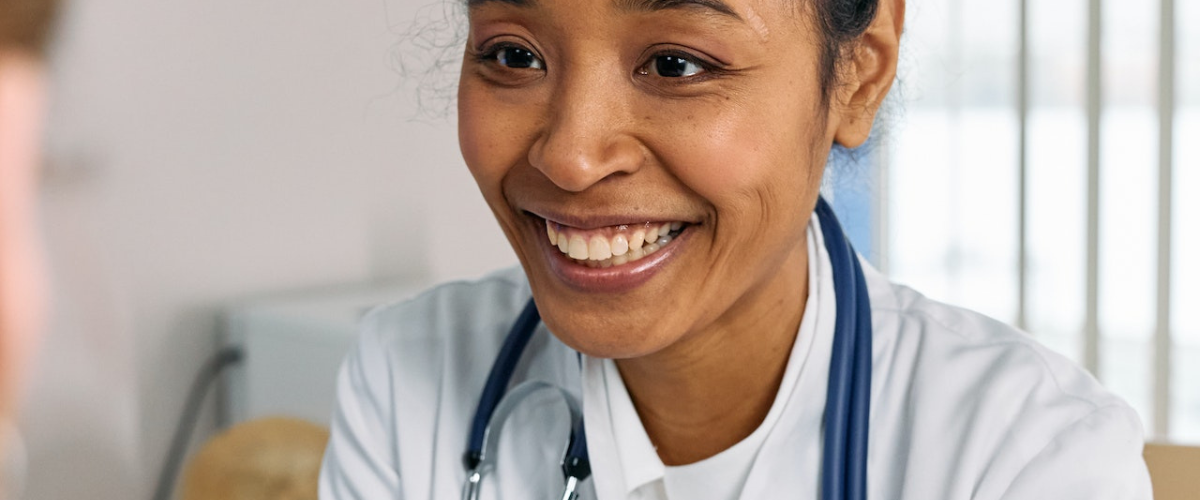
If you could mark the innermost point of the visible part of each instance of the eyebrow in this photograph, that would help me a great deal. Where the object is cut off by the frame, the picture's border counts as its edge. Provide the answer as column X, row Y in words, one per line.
column 518, row 3
column 657, row 5
column 716, row 6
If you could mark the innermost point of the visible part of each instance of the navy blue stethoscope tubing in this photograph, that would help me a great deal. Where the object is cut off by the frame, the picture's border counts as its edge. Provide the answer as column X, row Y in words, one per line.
column 848, row 397
column 498, row 380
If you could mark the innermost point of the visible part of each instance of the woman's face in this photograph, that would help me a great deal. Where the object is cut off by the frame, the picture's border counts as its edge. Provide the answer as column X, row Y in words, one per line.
column 589, row 124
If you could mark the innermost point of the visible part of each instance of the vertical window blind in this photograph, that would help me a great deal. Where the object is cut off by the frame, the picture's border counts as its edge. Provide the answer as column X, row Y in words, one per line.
column 1035, row 164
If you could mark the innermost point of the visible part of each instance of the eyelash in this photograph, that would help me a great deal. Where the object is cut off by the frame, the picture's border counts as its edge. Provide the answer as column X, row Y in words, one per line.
column 708, row 70
column 489, row 54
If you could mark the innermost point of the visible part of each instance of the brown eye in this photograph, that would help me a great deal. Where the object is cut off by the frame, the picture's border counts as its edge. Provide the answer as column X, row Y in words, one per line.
column 516, row 57
column 674, row 66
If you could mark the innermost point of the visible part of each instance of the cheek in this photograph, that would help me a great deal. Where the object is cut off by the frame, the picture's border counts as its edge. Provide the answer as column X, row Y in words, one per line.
column 22, row 281
column 750, row 160
column 493, row 133
column 478, row 139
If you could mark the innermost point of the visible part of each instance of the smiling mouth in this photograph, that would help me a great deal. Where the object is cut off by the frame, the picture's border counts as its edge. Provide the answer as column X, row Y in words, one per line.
column 612, row 246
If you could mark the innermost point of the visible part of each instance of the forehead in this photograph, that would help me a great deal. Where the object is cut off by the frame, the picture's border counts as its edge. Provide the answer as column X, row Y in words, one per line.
column 753, row 14
column 714, row 6
column 740, row 10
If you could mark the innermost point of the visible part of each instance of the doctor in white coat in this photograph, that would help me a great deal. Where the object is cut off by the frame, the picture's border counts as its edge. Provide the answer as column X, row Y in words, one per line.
column 655, row 165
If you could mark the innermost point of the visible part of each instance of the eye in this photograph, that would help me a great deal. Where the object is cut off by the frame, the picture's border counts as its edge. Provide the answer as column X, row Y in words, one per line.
column 515, row 57
column 673, row 66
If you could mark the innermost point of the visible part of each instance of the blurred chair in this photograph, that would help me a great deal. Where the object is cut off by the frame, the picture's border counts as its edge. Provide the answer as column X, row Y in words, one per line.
column 264, row 459
column 1174, row 470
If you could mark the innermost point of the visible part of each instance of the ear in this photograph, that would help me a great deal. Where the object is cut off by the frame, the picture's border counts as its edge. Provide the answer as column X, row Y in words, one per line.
column 868, row 75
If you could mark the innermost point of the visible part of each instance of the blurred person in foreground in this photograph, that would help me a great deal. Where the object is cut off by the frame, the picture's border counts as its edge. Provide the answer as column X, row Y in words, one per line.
column 24, row 30
column 270, row 459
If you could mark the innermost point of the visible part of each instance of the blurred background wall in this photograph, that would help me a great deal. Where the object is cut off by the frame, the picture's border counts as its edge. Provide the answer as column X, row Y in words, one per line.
column 203, row 153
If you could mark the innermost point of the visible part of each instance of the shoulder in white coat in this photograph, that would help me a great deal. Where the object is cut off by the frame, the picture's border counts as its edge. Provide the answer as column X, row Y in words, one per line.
column 964, row 406
column 408, row 389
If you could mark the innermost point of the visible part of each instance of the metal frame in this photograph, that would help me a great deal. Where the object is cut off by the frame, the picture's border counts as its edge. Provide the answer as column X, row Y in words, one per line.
column 882, row 200
column 1023, row 166
column 1091, row 323
column 1166, row 144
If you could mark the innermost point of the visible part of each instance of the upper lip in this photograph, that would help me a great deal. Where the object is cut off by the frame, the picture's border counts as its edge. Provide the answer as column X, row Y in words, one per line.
column 597, row 221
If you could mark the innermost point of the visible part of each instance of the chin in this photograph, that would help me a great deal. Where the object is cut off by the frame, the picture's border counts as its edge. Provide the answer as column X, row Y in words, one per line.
column 597, row 333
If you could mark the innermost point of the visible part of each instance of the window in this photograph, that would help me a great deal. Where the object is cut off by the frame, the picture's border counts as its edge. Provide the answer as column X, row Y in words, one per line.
column 1087, row 95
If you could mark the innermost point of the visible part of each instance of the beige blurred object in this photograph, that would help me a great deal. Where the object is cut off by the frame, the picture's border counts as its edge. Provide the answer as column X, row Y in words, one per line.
column 1174, row 470
column 267, row 459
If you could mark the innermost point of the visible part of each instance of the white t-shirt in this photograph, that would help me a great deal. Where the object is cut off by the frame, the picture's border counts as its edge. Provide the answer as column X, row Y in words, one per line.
column 962, row 407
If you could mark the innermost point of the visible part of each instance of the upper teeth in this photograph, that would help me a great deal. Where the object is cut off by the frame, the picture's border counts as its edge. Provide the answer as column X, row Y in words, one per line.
column 611, row 243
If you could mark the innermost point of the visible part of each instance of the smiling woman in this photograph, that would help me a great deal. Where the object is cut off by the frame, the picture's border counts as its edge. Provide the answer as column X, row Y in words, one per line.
column 655, row 165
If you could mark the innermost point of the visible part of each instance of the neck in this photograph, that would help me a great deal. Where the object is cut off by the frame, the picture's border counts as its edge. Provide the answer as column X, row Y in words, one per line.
column 713, row 388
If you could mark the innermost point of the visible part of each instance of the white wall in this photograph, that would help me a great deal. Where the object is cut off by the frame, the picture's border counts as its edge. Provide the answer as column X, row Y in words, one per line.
column 209, row 150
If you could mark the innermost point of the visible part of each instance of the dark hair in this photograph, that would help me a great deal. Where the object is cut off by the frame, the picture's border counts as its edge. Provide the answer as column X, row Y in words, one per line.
column 841, row 23
column 25, row 24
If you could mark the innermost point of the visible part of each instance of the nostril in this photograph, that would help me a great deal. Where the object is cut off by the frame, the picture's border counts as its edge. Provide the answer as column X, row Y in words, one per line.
column 577, row 161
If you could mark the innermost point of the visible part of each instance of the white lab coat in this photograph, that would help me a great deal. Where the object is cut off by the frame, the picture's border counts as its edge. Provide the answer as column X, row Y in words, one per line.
column 962, row 407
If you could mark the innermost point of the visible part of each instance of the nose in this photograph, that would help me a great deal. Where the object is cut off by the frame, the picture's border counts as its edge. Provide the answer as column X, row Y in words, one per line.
column 587, row 135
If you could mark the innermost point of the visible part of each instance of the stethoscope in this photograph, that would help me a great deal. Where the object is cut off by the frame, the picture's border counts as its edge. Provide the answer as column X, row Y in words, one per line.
column 847, row 404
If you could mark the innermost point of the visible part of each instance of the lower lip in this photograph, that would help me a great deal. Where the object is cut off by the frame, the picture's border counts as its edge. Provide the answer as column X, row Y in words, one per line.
column 615, row 279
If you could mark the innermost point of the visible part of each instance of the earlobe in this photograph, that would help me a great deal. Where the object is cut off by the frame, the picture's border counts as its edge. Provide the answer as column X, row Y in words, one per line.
column 869, row 74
